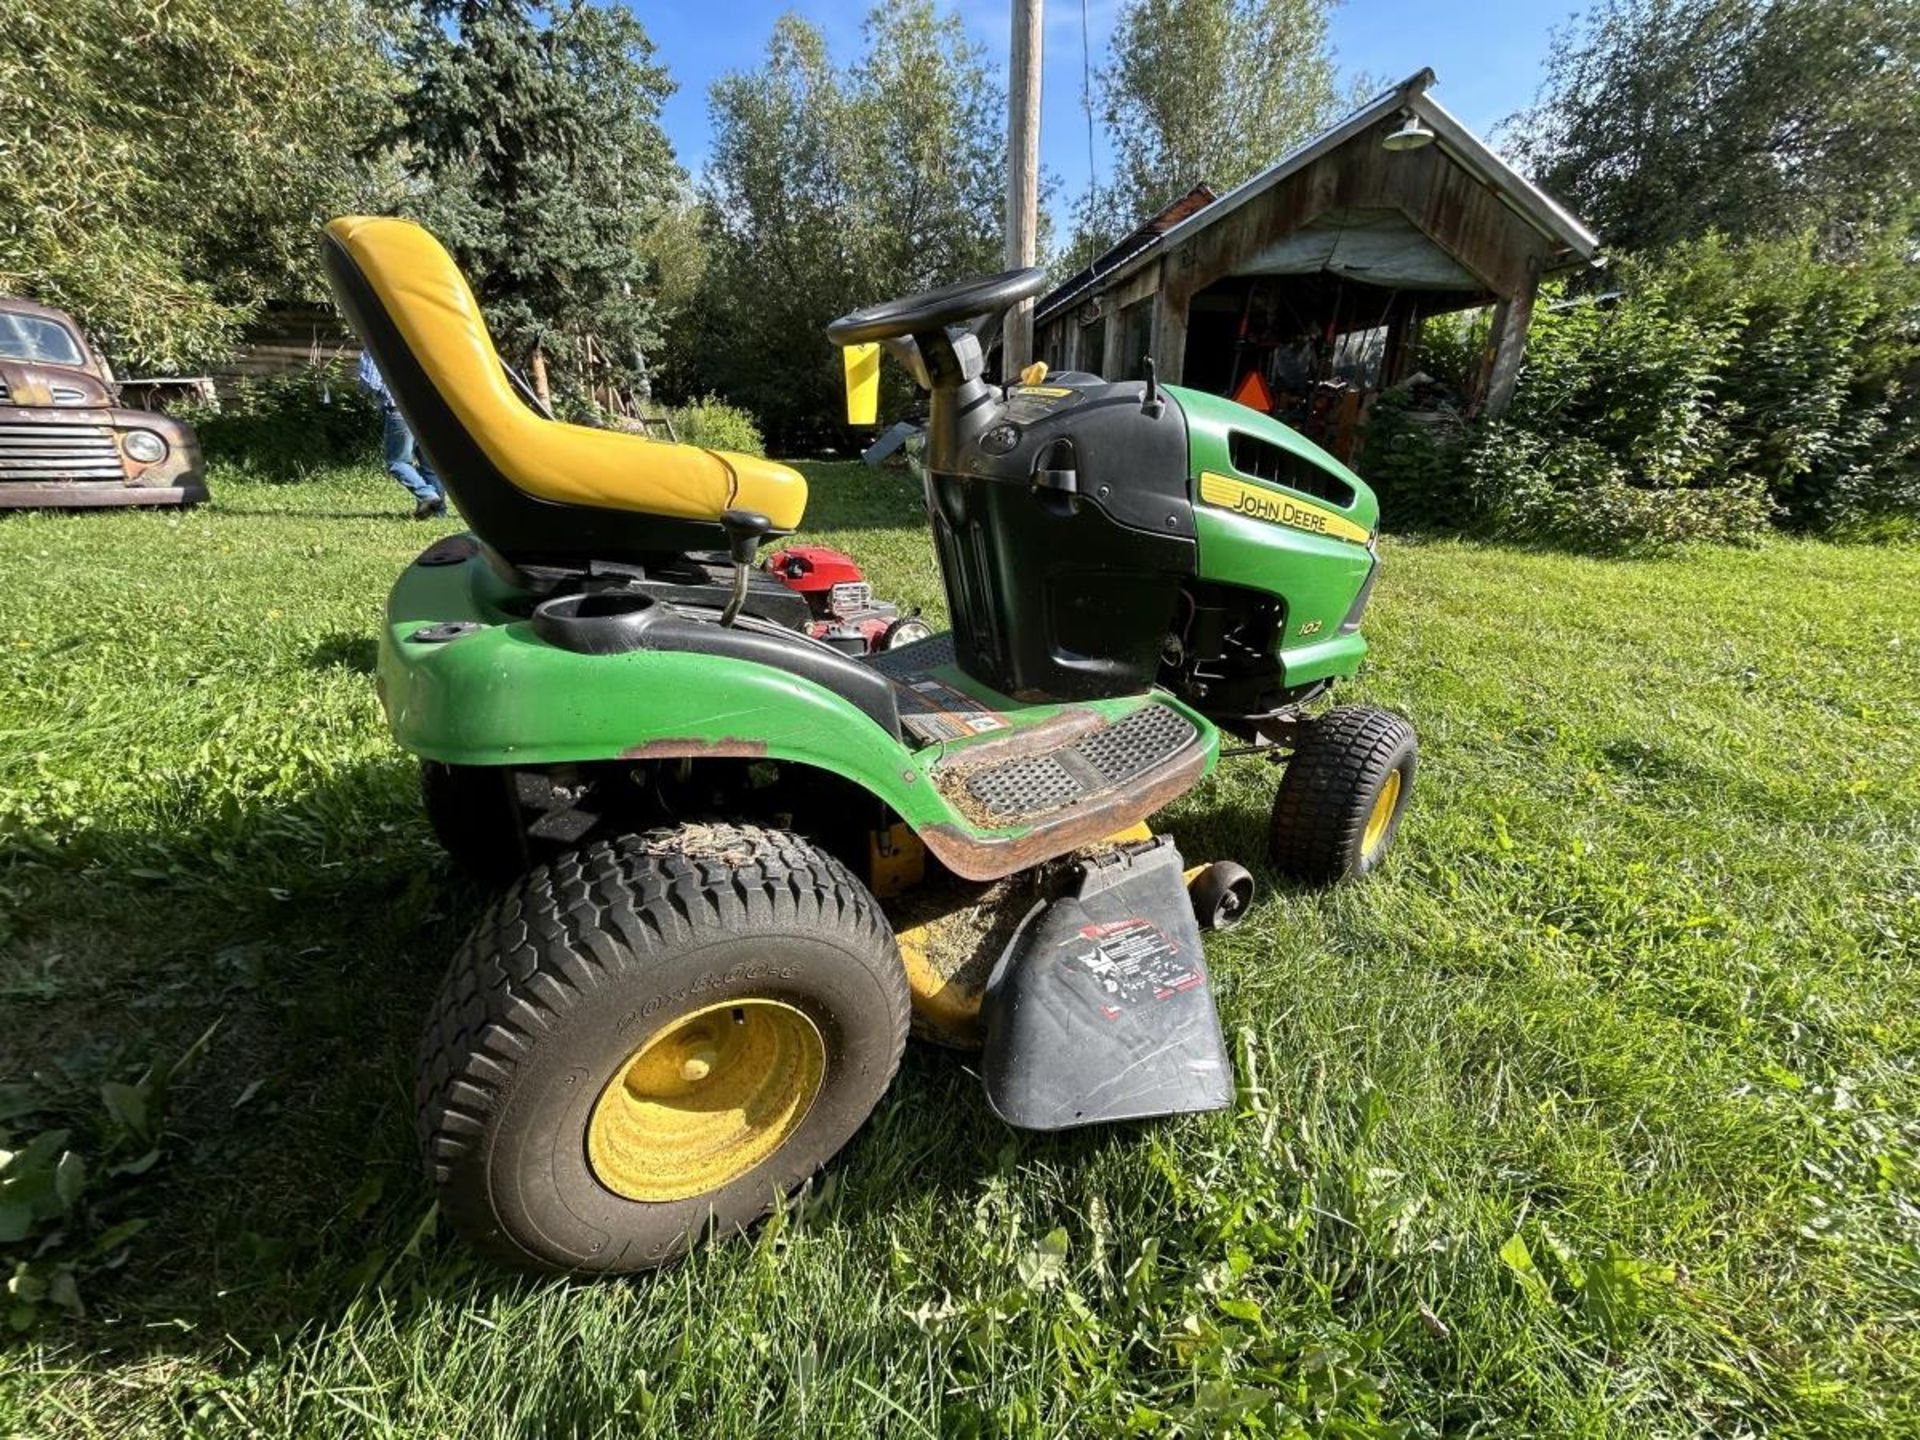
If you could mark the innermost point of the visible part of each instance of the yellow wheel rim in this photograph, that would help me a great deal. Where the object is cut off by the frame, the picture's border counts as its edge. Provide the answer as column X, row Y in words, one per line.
column 1384, row 805
column 706, row 1100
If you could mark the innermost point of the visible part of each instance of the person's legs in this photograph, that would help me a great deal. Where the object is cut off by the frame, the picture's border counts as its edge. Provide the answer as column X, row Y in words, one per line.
column 400, row 458
column 428, row 474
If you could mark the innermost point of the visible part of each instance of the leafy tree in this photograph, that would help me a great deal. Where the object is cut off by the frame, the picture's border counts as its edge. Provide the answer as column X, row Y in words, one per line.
column 1203, row 92
column 1662, row 119
column 831, row 188
column 674, row 251
column 535, row 125
column 167, row 161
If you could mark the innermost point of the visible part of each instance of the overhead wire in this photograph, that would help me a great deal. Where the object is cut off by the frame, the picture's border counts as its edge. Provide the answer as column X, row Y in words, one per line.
column 1086, row 95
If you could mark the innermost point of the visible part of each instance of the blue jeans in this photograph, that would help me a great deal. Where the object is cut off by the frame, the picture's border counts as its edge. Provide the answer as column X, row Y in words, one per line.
column 406, row 464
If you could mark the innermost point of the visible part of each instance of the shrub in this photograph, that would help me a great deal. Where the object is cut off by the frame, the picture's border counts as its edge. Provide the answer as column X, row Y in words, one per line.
column 1637, row 379
column 1451, row 347
column 283, row 427
column 1414, row 461
column 1573, row 491
column 1619, row 436
column 1722, row 389
column 715, row 425
column 1821, row 369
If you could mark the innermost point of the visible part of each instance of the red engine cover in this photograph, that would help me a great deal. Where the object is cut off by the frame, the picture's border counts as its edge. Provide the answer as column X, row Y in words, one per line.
column 813, row 568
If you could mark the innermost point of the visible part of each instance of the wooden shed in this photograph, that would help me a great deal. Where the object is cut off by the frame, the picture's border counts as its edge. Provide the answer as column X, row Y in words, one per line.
column 1315, row 275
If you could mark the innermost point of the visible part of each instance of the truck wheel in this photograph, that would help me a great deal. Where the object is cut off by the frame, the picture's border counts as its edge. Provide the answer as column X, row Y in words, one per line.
column 653, row 1036
column 1341, row 798
column 473, row 815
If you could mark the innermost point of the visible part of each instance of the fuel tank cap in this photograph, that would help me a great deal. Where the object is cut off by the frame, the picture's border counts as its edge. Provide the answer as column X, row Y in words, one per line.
column 1000, row 439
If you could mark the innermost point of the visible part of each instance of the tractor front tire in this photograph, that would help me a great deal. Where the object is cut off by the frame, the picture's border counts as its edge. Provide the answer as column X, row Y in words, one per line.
column 1342, row 795
column 653, row 1037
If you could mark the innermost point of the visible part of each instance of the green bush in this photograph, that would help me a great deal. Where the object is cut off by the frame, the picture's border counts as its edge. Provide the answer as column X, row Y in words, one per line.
column 1620, row 435
column 1575, row 492
column 1723, row 389
column 284, row 427
column 1414, row 460
column 1451, row 347
column 715, row 425
column 1819, row 373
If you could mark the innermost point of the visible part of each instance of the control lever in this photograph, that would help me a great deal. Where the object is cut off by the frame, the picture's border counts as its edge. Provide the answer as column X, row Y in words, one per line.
column 745, row 530
column 1151, row 405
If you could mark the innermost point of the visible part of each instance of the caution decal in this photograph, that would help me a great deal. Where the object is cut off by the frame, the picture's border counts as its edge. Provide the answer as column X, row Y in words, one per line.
column 1278, row 509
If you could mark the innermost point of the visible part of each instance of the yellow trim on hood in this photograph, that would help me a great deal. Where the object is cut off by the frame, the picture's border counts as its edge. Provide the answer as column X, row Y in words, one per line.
column 1278, row 508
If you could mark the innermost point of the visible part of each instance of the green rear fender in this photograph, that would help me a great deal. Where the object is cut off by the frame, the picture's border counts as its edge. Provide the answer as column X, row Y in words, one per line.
column 499, row 695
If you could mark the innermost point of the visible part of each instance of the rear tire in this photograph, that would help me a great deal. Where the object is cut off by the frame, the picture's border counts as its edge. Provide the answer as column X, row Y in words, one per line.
column 1339, row 804
column 568, row 988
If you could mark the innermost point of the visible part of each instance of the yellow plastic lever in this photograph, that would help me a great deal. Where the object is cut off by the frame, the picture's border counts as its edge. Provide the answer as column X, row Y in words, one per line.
column 863, row 383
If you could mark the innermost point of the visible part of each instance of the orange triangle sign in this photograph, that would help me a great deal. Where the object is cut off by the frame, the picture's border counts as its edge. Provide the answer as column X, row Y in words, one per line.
column 1252, row 392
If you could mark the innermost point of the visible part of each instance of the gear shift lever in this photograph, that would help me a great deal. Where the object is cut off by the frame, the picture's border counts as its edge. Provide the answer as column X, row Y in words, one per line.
column 745, row 530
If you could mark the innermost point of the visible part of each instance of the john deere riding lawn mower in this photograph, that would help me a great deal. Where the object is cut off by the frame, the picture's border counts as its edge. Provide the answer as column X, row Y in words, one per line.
column 737, row 860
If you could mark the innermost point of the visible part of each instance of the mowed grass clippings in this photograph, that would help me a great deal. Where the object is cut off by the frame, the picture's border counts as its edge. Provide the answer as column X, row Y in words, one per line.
column 1592, row 1114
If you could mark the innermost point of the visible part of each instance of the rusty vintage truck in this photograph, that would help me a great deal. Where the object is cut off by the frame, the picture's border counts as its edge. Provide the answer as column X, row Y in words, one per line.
column 65, row 437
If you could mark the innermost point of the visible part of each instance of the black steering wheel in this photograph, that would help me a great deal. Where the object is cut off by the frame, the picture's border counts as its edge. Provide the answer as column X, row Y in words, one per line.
column 936, row 309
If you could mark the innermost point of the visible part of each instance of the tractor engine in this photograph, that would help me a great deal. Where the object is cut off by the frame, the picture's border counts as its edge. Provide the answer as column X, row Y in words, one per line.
column 844, row 613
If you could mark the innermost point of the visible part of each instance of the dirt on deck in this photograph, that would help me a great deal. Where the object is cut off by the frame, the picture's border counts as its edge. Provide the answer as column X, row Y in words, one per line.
column 964, row 927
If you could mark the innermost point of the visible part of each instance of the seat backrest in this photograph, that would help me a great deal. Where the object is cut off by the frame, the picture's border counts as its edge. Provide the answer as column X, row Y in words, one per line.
column 534, row 489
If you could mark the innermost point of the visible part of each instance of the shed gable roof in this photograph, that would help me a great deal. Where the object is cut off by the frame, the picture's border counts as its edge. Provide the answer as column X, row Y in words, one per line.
column 1456, row 141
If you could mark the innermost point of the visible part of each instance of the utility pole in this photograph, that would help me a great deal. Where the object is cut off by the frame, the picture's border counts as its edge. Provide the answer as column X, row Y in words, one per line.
column 1023, row 174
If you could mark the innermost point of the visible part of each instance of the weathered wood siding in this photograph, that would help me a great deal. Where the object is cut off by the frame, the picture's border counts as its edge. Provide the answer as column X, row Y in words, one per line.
column 1467, row 218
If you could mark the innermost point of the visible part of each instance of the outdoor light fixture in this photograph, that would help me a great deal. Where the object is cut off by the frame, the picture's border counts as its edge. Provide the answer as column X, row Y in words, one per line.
column 1411, row 135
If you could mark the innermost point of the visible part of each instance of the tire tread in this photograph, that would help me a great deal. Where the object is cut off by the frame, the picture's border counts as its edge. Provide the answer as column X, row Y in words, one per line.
column 1321, row 807
column 543, row 945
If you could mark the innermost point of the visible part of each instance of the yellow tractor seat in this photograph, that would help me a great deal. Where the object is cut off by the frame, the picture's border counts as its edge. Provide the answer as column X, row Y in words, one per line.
column 535, row 490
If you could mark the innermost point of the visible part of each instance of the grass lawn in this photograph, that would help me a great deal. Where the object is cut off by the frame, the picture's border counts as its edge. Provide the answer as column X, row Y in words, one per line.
column 1593, row 1114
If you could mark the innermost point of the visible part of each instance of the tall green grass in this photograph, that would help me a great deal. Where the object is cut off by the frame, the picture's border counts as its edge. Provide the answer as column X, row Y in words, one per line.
column 1592, row 1114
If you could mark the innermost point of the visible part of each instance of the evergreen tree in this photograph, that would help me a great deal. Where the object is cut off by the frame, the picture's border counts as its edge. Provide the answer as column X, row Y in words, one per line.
column 535, row 125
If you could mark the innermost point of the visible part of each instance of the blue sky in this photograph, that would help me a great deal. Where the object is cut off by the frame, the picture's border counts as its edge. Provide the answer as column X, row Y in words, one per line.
column 1487, row 54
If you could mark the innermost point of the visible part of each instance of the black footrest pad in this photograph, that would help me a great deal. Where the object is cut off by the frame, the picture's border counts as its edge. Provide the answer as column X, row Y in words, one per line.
column 1031, row 785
